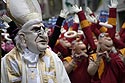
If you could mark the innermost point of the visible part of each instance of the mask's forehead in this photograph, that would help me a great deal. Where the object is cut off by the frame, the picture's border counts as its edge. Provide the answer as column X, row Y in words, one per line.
column 35, row 26
column 30, row 24
column 102, row 35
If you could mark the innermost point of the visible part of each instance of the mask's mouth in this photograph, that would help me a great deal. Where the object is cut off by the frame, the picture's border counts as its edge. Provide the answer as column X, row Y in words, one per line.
column 109, row 45
column 42, row 41
column 109, row 39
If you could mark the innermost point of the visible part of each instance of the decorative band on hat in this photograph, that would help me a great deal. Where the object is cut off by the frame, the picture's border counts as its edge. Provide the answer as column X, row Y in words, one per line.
column 71, row 36
column 25, row 18
column 30, row 23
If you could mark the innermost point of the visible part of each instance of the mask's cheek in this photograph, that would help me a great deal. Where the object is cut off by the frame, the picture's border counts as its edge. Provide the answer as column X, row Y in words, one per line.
column 31, row 43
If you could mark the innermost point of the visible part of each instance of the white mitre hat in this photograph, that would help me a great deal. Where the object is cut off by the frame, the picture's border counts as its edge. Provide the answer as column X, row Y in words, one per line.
column 24, row 10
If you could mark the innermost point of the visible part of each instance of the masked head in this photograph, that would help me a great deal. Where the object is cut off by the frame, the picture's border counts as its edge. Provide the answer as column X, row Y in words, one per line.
column 33, row 36
column 78, row 45
column 105, row 42
column 64, row 42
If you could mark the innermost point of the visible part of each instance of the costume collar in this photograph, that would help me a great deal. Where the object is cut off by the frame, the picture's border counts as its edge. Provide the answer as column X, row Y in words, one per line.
column 29, row 56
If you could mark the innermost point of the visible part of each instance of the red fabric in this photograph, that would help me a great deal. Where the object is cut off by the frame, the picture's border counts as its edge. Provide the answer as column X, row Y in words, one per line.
column 94, row 28
column 112, row 14
column 81, row 16
column 122, row 34
column 118, row 43
column 95, row 79
column 71, row 39
column 112, row 31
column 81, row 37
column 114, row 71
column 80, row 74
column 87, row 31
column 122, row 31
column 61, row 35
column 75, row 27
column 64, row 51
column 98, row 26
column 123, row 37
column 65, row 26
column 89, row 37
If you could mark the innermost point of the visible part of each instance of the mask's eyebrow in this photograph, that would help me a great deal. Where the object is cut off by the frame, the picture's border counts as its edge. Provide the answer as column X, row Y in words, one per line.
column 38, row 26
column 43, row 27
column 35, row 28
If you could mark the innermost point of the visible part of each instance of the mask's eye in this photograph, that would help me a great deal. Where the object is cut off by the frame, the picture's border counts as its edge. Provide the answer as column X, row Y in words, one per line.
column 36, row 29
column 101, row 35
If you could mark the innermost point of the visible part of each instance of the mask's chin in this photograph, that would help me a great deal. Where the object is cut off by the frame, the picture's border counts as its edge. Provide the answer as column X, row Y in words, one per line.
column 41, row 48
column 36, row 51
column 106, row 47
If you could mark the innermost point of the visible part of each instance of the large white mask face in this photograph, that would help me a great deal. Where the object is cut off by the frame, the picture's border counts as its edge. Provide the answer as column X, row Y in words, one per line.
column 106, row 42
column 36, row 38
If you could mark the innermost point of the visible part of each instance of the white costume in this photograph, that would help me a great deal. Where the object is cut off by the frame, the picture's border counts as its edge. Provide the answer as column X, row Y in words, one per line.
column 32, row 62
column 13, row 69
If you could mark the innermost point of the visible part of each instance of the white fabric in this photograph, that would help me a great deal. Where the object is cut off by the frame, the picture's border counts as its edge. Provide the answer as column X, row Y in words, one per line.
column 76, row 18
column 105, row 25
column 46, row 59
column 61, row 74
column 24, row 10
column 64, row 13
column 70, row 34
column 30, row 57
column 4, row 78
column 36, row 78
column 88, row 10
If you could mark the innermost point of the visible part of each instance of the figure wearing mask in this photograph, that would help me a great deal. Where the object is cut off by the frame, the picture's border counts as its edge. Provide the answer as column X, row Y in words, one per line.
column 31, row 61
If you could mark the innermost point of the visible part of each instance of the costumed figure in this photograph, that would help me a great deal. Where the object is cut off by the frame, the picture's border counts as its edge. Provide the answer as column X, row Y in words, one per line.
column 31, row 61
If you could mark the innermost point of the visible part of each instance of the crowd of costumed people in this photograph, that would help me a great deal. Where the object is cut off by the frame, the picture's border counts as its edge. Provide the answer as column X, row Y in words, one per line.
column 77, row 47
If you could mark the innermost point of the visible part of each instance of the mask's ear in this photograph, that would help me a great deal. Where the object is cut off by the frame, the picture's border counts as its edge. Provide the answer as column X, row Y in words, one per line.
column 23, row 39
